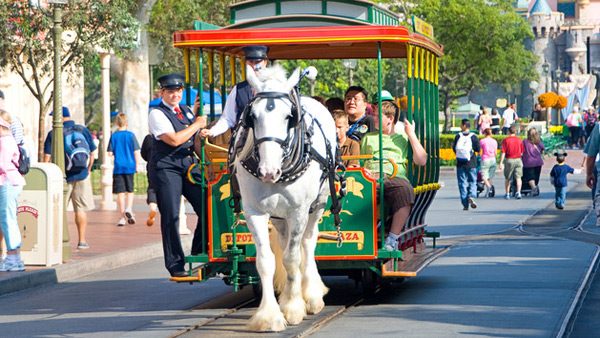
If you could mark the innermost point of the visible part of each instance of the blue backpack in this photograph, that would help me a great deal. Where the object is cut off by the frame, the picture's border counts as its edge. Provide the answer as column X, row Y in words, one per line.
column 77, row 150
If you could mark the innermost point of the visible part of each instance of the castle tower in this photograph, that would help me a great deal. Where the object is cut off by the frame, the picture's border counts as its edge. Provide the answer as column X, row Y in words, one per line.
column 545, row 25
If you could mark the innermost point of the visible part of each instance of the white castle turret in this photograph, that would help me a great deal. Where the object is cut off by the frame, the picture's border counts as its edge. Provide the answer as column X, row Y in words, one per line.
column 545, row 25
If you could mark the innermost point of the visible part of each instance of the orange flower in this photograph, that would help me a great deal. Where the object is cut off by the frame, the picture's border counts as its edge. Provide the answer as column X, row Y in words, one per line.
column 447, row 154
column 561, row 102
column 547, row 99
column 403, row 103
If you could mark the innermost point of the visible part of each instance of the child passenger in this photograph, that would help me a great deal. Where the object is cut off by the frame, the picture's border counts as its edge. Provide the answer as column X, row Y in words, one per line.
column 125, row 148
column 348, row 147
column 398, row 192
column 558, row 178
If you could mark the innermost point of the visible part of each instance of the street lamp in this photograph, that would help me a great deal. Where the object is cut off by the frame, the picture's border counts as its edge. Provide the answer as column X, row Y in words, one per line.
column 533, row 85
column 596, row 72
column 350, row 64
column 58, row 148
column 557, row 73
column 546, row 74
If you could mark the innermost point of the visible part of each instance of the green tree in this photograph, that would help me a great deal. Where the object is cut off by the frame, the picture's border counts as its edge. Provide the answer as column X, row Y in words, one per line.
column 483, row 43
column 169, row 16
column 27, row 45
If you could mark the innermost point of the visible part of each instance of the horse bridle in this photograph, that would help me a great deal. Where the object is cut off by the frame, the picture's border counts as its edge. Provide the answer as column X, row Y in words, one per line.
column 294, row 119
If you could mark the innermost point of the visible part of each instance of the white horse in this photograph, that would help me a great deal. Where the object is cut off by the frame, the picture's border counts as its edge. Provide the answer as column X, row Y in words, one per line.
column 294, row 206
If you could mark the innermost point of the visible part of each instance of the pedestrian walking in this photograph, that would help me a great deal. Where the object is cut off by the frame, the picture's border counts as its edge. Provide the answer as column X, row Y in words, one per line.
column 532, row 160
column 496, row 118
column 146, row 153
column 510, row 160
column 509, row 117
column 574, row 122
column 123, row 145
column 466, row 144
column 11, row 186
column 489, row 149
column 78, row 169
column 558, row 178
column 485, row 121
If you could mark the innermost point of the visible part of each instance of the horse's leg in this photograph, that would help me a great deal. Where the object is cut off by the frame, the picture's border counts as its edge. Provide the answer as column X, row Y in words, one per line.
column 313, row 288
column 268, row 317
column 278, row 244
column 291, row 302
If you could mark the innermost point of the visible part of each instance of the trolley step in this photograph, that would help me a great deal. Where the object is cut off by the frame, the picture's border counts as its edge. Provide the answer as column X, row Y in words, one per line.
column 412, row 262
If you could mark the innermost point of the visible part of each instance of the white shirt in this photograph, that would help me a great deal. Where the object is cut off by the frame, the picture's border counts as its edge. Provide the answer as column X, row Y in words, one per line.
column 229, row 115
column 158, row 122
column 509, row 117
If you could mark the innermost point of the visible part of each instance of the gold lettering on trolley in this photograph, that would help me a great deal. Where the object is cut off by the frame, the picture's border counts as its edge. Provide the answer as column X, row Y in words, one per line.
column 225, row 191
column 354, row 187
column 357, row 237
column 242, row 238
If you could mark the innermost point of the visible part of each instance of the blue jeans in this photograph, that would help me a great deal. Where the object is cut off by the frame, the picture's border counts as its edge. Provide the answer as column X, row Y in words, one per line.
column 9, row 194
column 467, row 184
column 560, row 196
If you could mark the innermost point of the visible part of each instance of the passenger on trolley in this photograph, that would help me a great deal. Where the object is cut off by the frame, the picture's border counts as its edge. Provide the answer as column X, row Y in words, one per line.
column 174, row 126
column 355, row 105
column 398, row 191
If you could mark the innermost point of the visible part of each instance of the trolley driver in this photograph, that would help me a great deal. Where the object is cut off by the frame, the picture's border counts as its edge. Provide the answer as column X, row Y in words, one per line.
column 174, row 126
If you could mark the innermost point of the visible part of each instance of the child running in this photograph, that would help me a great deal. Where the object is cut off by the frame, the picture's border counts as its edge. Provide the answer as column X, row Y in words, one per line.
column 558, row 178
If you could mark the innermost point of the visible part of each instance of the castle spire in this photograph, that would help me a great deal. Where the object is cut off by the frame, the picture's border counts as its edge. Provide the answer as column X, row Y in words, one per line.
column 541, row 7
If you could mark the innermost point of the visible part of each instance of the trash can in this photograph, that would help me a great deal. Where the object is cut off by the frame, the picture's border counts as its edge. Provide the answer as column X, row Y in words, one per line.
column 40, row 215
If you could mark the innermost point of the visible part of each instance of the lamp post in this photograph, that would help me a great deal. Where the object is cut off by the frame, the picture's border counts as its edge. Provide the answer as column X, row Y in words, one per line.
column 557, row 73
column 546, row 74
column 58, row 148
column 533, row 85
column 350, row 64
column 596, row 72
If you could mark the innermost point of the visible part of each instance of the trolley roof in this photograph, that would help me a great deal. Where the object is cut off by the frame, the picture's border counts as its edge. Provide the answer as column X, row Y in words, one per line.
column 341, row 42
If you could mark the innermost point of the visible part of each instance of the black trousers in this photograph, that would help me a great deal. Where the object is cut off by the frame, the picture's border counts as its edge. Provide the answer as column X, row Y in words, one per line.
column 169, row 185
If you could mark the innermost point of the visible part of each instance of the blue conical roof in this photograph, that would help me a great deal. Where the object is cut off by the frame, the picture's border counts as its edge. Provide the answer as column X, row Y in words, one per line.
column 542, row 7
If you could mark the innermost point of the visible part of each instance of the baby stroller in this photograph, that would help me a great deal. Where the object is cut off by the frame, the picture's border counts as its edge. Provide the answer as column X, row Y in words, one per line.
column 525, row 188
column 480, row 182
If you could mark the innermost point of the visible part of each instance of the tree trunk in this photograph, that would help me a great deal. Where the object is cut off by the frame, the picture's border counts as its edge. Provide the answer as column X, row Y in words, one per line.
column 134, row 77
column 447, row 113
column 41, row 131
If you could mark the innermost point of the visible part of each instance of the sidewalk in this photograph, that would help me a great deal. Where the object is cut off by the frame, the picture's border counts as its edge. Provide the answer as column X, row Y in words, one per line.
column 110, row 247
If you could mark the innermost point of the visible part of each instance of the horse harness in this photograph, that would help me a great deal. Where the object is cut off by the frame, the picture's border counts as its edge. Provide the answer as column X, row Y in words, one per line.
column 297, row 149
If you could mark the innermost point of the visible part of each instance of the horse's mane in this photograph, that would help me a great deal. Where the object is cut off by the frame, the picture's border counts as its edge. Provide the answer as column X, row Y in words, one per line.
column 273, row 78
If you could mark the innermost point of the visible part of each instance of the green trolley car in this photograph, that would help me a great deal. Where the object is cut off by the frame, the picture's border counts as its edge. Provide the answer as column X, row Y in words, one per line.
column 228, row 250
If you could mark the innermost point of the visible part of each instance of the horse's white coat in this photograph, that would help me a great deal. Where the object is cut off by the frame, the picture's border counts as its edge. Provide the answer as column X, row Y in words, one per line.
column 304, row 289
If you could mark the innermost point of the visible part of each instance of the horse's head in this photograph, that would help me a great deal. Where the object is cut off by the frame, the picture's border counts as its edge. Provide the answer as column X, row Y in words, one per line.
column 271, row 116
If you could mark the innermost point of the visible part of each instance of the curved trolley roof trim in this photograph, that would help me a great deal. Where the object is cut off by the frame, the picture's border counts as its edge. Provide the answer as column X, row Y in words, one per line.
column 310, row 42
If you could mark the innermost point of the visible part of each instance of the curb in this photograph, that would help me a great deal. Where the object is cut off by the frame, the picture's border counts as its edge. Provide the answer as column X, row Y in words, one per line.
column 104, row 262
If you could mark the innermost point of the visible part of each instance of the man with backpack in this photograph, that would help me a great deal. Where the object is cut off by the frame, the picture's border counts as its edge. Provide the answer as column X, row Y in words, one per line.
column 466, row 144
column 79, row 157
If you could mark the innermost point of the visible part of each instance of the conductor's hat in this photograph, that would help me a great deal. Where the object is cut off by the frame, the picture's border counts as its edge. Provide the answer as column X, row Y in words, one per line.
column 255, row 52
column 171, row 81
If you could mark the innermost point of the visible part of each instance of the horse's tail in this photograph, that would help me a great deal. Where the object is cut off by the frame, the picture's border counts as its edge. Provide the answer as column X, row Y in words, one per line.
column 280, row 276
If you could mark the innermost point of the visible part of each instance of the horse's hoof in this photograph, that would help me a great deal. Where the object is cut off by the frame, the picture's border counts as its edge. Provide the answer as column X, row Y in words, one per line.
column 264, row 323
column 315, row 306
column 293, row 310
